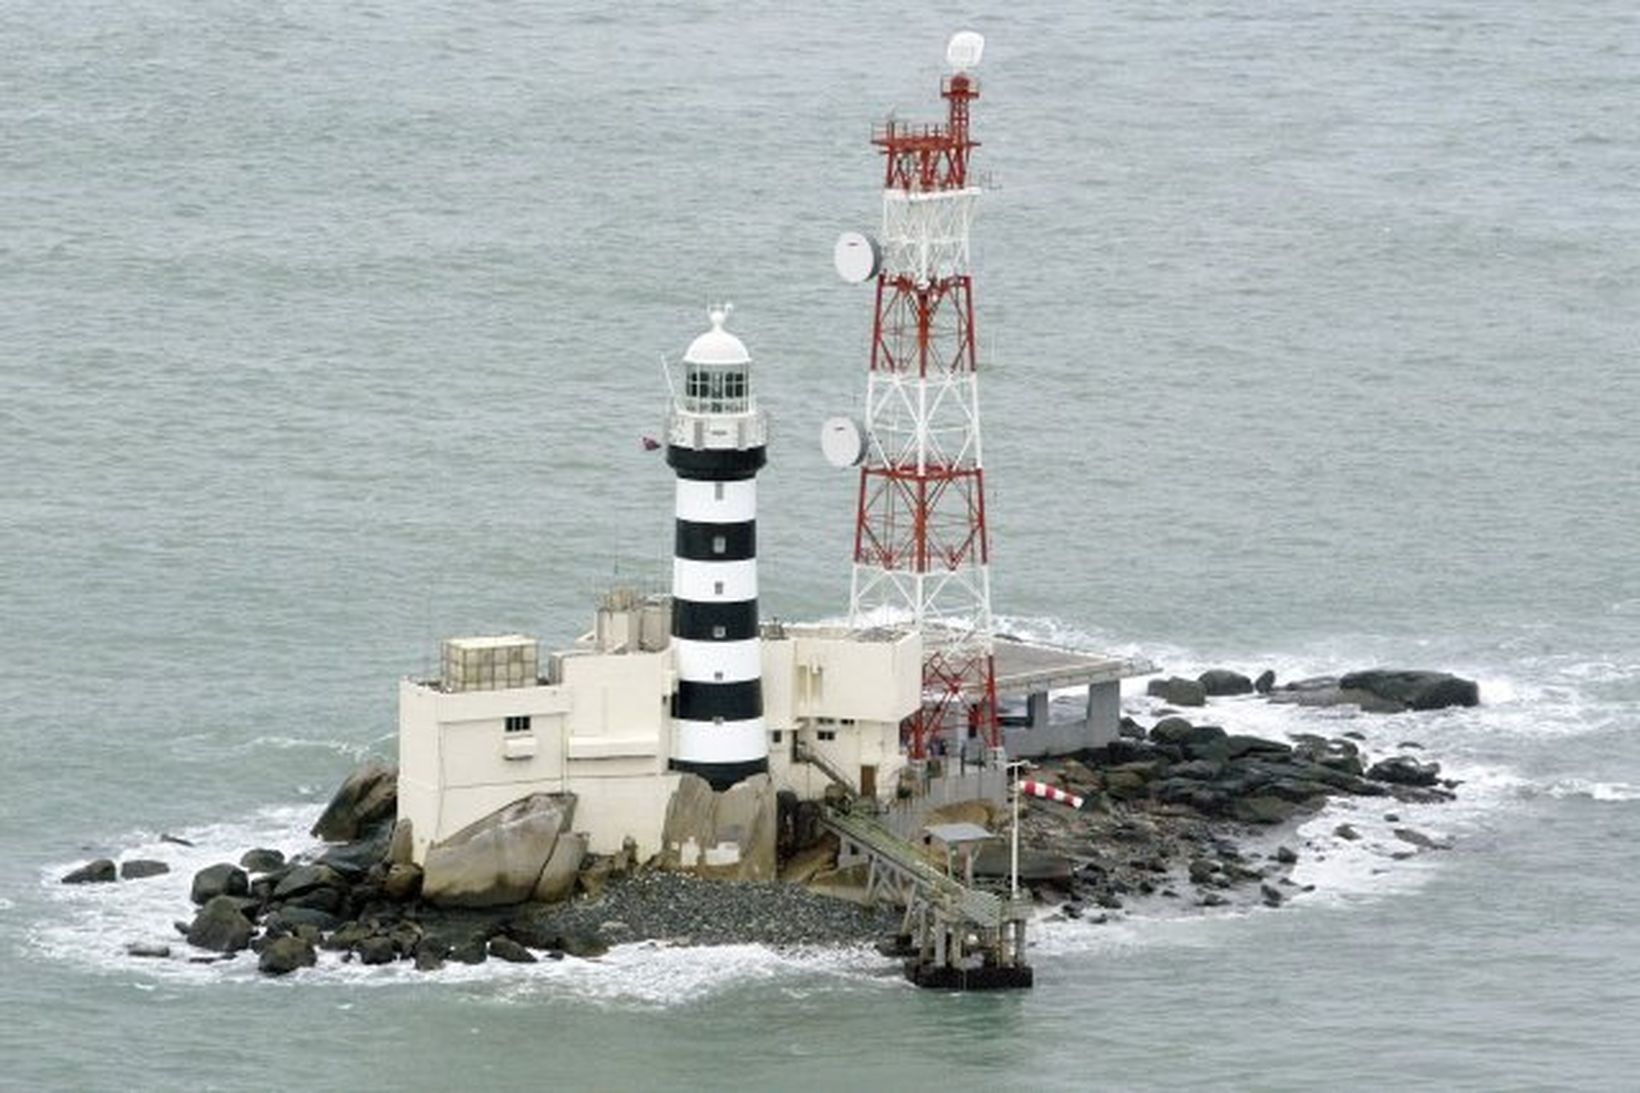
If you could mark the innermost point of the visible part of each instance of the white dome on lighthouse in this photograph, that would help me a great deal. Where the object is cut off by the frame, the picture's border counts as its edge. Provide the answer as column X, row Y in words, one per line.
column 717, row 345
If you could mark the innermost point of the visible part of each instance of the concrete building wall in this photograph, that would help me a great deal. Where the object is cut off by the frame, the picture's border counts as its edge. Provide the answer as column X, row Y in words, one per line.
column 603, row 731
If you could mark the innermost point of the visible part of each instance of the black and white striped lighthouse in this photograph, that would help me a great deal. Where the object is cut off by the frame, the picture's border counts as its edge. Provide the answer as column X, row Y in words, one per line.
column 716, row 438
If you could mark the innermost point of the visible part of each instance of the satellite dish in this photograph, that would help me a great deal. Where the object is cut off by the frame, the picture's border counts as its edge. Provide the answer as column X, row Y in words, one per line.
column 856, row 257
column 841, row 442
column 964, row 50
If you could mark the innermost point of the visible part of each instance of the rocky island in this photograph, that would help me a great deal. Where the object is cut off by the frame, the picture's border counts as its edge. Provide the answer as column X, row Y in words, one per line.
column 1165, row 812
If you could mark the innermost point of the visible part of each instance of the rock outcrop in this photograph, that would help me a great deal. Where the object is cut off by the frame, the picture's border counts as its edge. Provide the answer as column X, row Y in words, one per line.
column 1381, row 690
column 369, row 796
column 1177, row 691
column 499, row 859
column 100, row 871
column 725, row 836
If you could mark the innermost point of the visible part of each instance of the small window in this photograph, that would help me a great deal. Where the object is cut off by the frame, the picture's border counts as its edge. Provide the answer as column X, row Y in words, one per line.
column 717, row 491
column 717, row 677
column 717, row 720
column 518, row 724
column 720, row 544
column 720, row 632
column 845, row 721
column 775, row 736
column 717, row 588
column 827, row 734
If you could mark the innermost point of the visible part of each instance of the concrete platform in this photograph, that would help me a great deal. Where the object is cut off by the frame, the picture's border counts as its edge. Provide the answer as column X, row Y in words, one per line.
column 1024, row 669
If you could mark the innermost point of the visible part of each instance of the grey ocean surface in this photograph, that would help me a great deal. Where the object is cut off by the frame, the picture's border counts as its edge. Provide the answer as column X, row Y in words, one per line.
column 1310, row 338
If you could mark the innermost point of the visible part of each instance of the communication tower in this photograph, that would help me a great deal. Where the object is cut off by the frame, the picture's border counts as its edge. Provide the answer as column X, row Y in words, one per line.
column 921, row 548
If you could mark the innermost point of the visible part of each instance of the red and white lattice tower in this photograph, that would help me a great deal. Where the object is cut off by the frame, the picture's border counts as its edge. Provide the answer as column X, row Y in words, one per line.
column 921, row 548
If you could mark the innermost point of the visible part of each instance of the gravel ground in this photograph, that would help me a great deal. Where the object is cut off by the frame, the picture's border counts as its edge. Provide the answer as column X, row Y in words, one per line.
column 682, row 909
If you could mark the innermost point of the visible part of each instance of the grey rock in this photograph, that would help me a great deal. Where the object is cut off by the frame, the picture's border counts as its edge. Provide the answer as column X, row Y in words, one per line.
column 138, row 868
column 505, row 948
column 220, row 926
column 283, row 955
column 1178, row 691
column 430, row 954
column 178, row 840
column 725, row 836
column 306, row 878
column 1262, row 809
column 100, row 871
column 498, row 860
column 291, row 919
column 1266, row 682
column 1403, row 770
column 1222, row 681
column 1346, row 832
column 1239, row 745
column 402, row 883
column 1272, row 895
column 1419, row 839
column 472, row 951
column 367, row 797
column 222, row 879
column 1414, row 690
column 148, row 949
column 261, row 860
column 377, row 950
column 1286, row 855
column 1202, row 870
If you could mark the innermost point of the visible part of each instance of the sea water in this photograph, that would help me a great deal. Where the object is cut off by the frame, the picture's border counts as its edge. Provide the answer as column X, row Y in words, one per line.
column 1308, row 338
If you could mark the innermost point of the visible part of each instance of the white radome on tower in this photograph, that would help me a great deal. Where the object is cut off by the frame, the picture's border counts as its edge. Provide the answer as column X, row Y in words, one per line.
column 964, row 50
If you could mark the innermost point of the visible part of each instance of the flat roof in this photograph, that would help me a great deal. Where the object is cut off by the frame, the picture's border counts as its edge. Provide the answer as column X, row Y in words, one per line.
column 1024, row 667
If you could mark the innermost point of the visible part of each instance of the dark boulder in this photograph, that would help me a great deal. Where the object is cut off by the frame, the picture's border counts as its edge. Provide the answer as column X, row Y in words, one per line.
column 283, row 955
column 1191, row 740
column 1239, row 745
column 430, row 953
column 402, row 883
column 138, row 868
column 1204, row 770
column 475, row 950
column 222, row 879
column 1272, row 895
column 289, row 919
column 148, row 949
column 1419, row 839
column 1262, row 809
column 377, row 950
column 1266, row 682
column 306, row 878
column 1177, row 691
column 1414, row 690
column 101, row 871
column 1326, row 691
column 1403, row 770
column 1222, row 681
column 505, row 948
column 220, row 926
column 358, row 857
column 261, row 860
column 1346, row 832
column 1286, row 855
column 367, row 797
column 1337, row 754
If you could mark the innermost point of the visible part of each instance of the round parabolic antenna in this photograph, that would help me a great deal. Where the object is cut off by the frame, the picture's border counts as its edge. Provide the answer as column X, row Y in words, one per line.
column 842, row 443
column 856, row 257
column 964, row 50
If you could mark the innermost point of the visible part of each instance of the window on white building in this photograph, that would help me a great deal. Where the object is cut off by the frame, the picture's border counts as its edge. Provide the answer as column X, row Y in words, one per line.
column 518, row 724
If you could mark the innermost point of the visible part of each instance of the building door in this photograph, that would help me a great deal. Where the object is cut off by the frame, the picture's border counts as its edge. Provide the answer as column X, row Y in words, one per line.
column 868, row 781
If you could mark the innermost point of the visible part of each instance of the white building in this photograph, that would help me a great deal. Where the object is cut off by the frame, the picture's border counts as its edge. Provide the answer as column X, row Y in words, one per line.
column 597, row 722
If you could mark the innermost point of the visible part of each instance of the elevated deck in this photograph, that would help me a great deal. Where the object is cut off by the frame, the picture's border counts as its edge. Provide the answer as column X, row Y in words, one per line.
column 1025, row 668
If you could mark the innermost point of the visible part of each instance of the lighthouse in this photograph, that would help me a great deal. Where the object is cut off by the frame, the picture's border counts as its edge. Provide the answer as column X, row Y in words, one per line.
column 716, row 439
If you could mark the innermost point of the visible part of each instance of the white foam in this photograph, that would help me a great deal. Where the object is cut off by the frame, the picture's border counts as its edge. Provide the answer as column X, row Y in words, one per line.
column 1594, row 791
